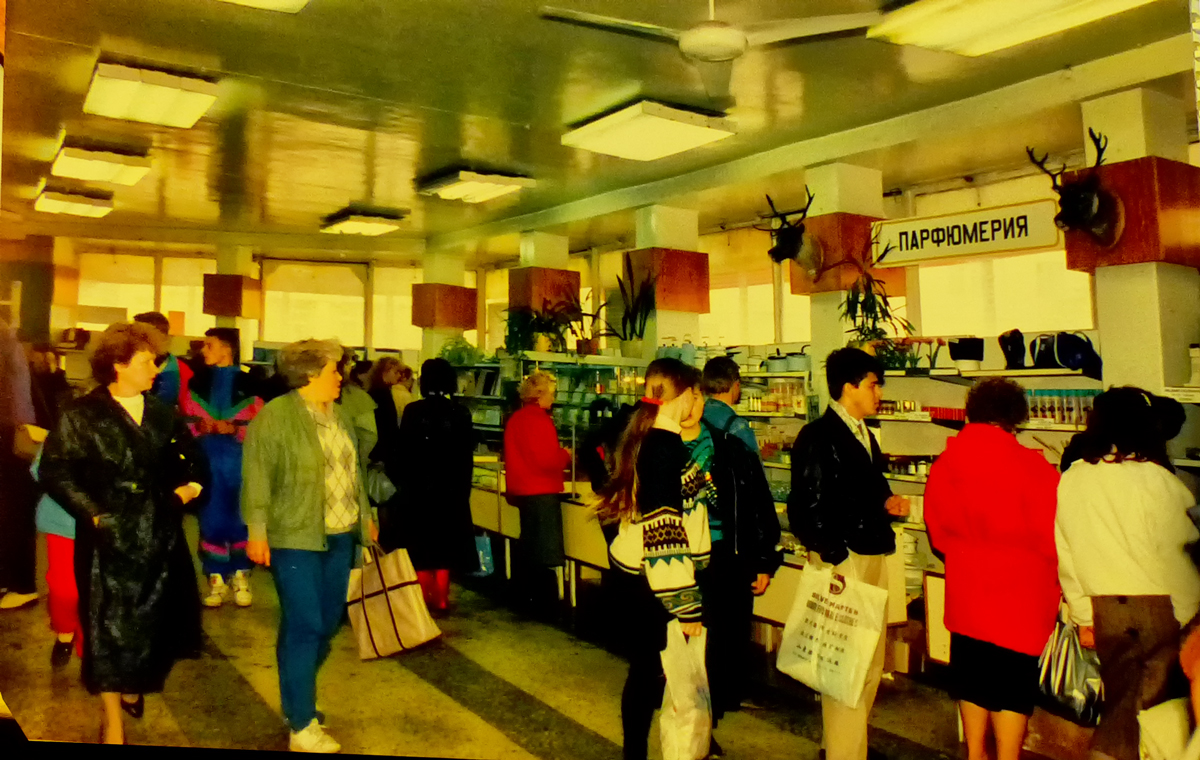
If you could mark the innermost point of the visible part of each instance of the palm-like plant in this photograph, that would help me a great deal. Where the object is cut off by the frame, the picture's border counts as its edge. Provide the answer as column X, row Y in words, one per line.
column 638, row 303
column 869, row 312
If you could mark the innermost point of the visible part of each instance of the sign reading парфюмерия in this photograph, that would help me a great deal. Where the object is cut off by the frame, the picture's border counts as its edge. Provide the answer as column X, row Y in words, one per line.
column 1005, row 229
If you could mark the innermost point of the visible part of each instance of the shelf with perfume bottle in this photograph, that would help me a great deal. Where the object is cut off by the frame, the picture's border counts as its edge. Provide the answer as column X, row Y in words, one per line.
column 1183, row 394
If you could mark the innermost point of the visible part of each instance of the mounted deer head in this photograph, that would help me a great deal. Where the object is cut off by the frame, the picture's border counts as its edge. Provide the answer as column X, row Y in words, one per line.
column 1083, row 205
column 789, row 237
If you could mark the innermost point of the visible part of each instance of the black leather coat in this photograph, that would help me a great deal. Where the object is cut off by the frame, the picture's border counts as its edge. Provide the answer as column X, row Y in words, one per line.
column 839, row 494
column 744, row 503
column 138, row 599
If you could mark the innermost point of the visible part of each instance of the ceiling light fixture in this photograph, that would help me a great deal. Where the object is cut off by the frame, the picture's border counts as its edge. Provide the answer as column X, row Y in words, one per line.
column 979, row 27
column 283, row 6
column 471, row 187
column 100, row 166
column 151, row 97
column 355, row 220
column 647, row 131
column 51, row 202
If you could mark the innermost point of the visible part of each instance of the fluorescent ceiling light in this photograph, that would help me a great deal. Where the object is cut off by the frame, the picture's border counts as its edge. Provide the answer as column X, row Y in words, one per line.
column 359, row 221
column 979, row 27
column 470, row 187
column 70, row 203
column 100, row 166
column 647, row 131
column 283, row 6
column 152, row 97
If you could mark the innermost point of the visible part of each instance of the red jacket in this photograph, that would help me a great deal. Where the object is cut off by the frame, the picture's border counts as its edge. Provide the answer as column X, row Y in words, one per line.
column 989, row 506
column 533, row 459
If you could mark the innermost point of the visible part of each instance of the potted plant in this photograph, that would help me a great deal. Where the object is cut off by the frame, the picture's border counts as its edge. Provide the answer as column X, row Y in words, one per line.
column 460, row 353
column 537, row 329
column 869, row 312
column 583, row 326
column 638, row 304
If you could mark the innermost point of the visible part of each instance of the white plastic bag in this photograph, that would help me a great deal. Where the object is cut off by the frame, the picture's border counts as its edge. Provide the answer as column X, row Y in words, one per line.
column 685, row 725
column 1166, row 730
column 832, row 633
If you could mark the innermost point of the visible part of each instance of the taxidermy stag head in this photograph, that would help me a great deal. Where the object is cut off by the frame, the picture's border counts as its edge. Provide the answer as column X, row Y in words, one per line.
column 789, row 240
column 1083, row 205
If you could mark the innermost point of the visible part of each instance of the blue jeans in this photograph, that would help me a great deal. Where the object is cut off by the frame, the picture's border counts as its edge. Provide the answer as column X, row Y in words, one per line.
column 312, row 603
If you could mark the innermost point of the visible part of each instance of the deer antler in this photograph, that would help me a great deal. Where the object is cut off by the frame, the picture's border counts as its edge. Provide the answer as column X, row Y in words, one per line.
column 808, row 205
column 1041, row 164
column 1101, row 143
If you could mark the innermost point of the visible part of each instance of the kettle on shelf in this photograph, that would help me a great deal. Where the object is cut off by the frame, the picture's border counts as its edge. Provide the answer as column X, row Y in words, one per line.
column 799, row 361
column 776, row 363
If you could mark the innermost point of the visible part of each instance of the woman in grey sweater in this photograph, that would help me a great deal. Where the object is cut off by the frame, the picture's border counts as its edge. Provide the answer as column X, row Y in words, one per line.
column 306, row 509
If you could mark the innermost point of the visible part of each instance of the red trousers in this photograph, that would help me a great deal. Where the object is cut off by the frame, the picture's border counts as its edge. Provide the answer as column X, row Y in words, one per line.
column 435, row 587
column 64, row 595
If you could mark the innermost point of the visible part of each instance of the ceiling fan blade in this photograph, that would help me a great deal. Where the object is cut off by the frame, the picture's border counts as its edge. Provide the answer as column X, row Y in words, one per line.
column 610, row 24
column 717, row 76
column 798, row 28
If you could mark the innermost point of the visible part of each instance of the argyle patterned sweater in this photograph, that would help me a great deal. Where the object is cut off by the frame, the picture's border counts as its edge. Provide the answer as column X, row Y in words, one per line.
column 670, row 540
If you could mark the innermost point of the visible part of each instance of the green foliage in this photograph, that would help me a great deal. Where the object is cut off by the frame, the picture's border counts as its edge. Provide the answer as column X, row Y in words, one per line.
column 638, row 305
column 460, row 353
column 869, row 312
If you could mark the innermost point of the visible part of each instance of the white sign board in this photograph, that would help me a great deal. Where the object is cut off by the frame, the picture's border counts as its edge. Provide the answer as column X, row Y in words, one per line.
column 1005, row 229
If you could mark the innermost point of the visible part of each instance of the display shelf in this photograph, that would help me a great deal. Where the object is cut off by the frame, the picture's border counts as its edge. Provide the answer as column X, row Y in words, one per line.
column 904, row 417
column 1057, row 372
column 1191, row 464
column 482, row 426
column 777, row 466
column 766, row 375
column 480, row 398
column 1051, row 427
column 1183, row 394
column 768, row 415
column 906, row 478
column 590, row 361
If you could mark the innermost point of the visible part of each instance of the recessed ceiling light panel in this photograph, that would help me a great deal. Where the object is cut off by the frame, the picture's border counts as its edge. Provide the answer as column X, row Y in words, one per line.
column 50, row 202
column 355, row 220
column 151, row 97
column 471, row 187
column 979, row 27
column 100, row 166
column 648, row 131
column 283, row 6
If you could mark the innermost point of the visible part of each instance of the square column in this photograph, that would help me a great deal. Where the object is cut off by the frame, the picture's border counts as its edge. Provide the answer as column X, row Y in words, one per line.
column 234, row 296
column 442, row 305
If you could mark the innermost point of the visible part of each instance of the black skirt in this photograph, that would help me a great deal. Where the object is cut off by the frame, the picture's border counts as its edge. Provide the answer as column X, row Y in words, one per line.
column 542, row 529
column 995, row 678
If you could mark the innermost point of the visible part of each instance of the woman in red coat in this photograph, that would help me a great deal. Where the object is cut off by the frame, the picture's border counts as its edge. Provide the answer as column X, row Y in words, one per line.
column 989, row 506
column 534, row 463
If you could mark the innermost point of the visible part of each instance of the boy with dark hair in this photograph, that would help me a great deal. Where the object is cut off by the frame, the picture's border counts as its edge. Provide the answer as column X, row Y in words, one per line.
column 219, row 403
column 842, row 509
column 722, row 385
column 174, row 375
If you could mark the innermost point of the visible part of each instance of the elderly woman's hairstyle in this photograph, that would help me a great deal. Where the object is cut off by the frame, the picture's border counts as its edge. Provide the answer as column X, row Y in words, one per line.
column 533, row 387
column 119, row 344
column 300, row 362
column 381, row 368
column 438, row 377
column 1125, row 426
column 998, row 401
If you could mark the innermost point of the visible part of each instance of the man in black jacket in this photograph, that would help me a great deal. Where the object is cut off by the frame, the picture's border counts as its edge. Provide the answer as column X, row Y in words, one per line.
column 842, row 509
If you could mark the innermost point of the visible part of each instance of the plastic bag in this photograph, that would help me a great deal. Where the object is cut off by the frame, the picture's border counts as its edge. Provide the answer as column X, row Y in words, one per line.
column 1165, row 730
column 685, row 726
column 832, row 633
column 487, row 564
column 379, row 487
column 1070, row 677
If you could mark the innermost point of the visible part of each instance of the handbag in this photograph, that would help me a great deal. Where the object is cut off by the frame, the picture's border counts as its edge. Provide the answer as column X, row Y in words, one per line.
column 1069, row 677
column 386, row 607
column 28, row 441
column 832, row 633
column 685, row 725
column 1066, row 351
column 379, row 486
column 1012, row 345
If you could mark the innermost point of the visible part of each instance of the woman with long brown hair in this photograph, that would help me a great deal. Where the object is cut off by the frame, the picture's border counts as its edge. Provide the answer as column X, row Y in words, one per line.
column 655, row 555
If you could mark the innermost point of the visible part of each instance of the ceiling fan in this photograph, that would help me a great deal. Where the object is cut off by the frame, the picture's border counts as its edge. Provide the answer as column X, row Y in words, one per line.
column 713, row 45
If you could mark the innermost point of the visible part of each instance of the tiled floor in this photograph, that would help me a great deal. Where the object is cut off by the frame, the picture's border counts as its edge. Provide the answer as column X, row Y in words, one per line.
column 496, row 685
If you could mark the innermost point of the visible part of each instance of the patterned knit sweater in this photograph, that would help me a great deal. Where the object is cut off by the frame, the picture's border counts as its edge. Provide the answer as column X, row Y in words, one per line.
column 670, row 541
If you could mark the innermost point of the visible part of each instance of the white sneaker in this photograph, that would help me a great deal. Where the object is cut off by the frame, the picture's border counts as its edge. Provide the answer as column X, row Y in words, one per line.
column 241, row 588
column 12, row 600
column 216, row 597
column 313, row 739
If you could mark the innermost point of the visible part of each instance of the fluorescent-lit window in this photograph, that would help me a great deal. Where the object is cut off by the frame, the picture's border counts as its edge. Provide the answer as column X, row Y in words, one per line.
column 183, row 290
column 392, row 324
column 1031, row 293
column 742, row 316
column 116, row 281
column 797, row 314
column 323, row 301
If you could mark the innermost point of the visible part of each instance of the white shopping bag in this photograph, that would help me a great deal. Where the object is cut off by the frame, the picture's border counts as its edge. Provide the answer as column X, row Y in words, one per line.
column 832, row 632
column 685, row 725
column 1165, row 730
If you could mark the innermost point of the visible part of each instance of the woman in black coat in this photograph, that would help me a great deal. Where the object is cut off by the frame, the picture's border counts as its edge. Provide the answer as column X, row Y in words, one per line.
column 124, row 464
column 431, row 513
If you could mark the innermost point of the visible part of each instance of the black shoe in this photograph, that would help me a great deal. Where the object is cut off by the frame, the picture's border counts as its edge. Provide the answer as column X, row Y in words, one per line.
column 714, row 749
column 61, row 653
column 135, row 709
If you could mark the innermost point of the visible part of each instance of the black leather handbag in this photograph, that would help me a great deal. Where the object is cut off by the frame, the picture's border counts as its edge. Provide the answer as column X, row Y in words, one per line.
column 1012, row 344
column 1066, row 351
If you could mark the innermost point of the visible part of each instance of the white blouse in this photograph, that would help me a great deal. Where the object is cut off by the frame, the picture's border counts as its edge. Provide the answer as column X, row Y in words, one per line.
column 1121, row 530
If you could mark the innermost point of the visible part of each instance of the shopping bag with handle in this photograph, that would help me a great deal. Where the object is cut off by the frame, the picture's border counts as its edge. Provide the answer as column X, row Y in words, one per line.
column 832, row 633
column 685, row 725
column 1069, row 677
column 1165, row 730
column 386, row 607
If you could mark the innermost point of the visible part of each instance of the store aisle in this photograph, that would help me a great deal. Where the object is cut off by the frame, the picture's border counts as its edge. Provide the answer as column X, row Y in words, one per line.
column 495, row 686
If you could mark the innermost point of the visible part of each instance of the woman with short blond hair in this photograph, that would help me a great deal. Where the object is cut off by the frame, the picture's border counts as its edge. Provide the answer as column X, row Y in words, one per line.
column 534, row 462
